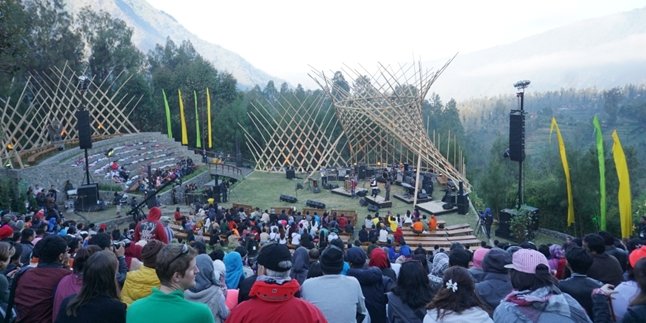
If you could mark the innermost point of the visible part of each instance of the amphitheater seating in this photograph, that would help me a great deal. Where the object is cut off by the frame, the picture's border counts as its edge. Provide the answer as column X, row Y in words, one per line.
column 443, row 238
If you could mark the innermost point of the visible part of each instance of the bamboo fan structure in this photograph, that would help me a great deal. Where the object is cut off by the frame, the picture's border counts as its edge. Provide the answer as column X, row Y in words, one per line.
column 43, row 115
column 298, row 135
column 386, row 106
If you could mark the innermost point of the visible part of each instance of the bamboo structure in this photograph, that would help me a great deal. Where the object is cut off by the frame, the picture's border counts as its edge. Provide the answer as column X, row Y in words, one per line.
column 386, row 107
column 299, row 135
column 44, row 114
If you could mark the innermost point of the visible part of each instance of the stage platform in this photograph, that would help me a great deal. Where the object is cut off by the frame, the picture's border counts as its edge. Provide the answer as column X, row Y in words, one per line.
column 379, row 202
column 409, row 199
column 435, row 207
column 342, row 191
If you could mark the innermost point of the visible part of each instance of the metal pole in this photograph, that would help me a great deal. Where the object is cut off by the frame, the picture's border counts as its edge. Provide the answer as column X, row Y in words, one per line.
column 87, row 168
column 520, row 163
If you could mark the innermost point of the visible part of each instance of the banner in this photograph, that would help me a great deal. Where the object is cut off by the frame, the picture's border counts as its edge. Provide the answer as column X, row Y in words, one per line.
column 566, row 170
column 182, row 118
column 625, row 200
column 208, row 117
column 198, row 140
column 602, row 174
column 167, row 108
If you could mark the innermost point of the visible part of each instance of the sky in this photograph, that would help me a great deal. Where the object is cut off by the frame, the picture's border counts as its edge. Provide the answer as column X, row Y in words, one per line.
column 287, row 38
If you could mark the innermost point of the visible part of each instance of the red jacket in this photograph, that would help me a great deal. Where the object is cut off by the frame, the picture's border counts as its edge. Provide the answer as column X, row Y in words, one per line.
column 151, row 228
column 35, row 293
column 275, row 303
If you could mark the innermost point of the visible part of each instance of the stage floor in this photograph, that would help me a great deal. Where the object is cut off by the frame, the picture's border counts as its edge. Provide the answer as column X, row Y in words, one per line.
column 379, row 202
column 342, row 191
column 435, row 207
column 409, row 200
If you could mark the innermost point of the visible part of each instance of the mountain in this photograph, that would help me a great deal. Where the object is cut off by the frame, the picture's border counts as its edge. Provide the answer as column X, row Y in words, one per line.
column 151, row 26
column 602, row 52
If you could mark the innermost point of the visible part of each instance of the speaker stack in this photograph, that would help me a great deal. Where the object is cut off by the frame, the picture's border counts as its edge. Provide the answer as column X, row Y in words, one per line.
column 288, row 198
column 87, row 197
column 83, row 128
column 315, row 204
column 517, row 135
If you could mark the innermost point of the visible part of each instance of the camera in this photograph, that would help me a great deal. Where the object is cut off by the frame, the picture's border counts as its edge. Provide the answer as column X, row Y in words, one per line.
column 125, row 243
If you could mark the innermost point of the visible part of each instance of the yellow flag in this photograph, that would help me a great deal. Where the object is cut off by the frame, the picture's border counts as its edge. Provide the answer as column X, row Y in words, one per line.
column 182, row 118
column 624, row 195
column 208, row 116
column 566, row 170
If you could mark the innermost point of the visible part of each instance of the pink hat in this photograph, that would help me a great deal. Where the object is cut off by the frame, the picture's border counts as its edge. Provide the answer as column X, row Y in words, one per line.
column 526, row 260
column 478, row 257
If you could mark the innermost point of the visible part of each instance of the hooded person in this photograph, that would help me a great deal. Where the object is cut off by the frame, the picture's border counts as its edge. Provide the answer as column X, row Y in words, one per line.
column 440, row 264
column 151, row 227
column 348, row 303
column 207, row 289
column 495, row 283
column 139, row 283
column 234, row 273
column 301, row 261
column 272, row 296
column 476, row 269
column 373, row 284
column 379, row 259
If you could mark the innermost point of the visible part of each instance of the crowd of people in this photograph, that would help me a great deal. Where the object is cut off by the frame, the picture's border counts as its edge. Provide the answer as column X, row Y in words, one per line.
column 227, row 265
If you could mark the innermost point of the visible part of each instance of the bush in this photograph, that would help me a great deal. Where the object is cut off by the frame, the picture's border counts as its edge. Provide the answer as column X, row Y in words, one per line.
column 520, row 226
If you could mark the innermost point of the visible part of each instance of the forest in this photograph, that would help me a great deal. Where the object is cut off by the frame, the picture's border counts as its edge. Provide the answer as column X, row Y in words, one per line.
column 36, row 35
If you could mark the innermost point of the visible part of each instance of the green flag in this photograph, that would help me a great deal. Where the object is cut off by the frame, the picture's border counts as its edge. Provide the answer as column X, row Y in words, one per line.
column 169, row 128
column 198, row 140
column 602, row 174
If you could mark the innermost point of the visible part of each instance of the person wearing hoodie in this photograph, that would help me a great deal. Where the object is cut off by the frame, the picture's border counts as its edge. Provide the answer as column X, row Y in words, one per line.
column 373, row 284
column 379, row 259
column 456, row 301
column 151, row 228
column 234, row 273
column 207, row 289
column 301, row 261
column 536, row 297
column 476, row 268
column 440, row 264
column 407, row 301
column 495, row 283
column 139, row 283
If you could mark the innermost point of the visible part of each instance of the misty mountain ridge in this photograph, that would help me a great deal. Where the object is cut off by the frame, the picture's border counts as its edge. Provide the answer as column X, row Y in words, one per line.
column 151, row 27
column 601, row 53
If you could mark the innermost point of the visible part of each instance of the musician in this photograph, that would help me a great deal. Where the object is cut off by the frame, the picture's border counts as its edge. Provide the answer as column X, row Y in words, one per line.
column 373, row 186
column 324, row 177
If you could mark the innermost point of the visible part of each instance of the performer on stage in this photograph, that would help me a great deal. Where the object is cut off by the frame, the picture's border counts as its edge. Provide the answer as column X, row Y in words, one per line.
column 387, row 186
column 373, row 186
column 324, row 177
column 353, row 185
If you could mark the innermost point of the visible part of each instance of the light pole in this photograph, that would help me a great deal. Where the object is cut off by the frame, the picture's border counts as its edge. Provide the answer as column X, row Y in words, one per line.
column 520, row 94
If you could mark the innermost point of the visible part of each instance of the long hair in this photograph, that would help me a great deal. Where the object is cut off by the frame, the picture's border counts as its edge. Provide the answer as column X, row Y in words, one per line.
column 447, row 301
column 413, row 286
column 99, row 279
column 640, row 277
column 525, row 281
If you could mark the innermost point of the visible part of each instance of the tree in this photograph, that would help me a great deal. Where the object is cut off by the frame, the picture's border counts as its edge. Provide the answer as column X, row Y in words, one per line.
column 340, row 87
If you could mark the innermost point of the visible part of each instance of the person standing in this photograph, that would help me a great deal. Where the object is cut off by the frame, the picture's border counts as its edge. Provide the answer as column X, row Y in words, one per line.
column 176, row 269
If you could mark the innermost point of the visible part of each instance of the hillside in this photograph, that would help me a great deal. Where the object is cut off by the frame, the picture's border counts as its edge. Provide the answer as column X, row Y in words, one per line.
column 152, row 26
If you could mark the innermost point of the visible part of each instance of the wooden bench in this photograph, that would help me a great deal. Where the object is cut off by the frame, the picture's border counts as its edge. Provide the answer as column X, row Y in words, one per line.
column 279, row 209
column 245, row 207
column 312, row 211
column 460, row 232
column 465, row 237
column 456, row 226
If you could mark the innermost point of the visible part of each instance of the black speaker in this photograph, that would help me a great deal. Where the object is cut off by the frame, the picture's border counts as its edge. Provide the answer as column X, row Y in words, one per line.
column 87, row 197
column 362, row 193
column 373, row 208
column 516, row 135
column 290, row 173
column 315, row 204
column 288, row 198
column 83, row 129
column 463, row 203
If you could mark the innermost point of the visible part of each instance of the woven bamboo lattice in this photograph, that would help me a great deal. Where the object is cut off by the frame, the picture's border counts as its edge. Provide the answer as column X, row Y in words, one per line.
column 44, row 114
column 386, row 106
column 298, row 134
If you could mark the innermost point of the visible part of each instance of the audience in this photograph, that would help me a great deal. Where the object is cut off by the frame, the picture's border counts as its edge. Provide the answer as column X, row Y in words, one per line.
column 407, row 301
column 456, row 301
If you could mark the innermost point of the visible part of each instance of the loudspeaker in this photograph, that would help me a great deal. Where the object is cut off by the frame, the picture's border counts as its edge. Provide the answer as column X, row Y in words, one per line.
column 87, row 197
column 315, row 204
column 290, row 173
column 83, row 128
column 362, row 193
column 373, row 208
column 288, row 198
column 463, row 203
column 516, row 135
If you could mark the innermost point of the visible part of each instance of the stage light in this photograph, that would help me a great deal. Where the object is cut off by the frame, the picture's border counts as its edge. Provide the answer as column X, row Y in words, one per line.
column 9, row 146
column 110, row 152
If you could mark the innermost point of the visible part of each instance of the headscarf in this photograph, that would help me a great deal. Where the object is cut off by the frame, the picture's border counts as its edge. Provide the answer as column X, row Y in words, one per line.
column 301, row 261
column 379, row 259
column 233, row 263
column 205, row 278
column 440, row 263
column 556, row 253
